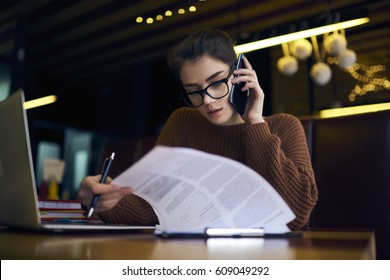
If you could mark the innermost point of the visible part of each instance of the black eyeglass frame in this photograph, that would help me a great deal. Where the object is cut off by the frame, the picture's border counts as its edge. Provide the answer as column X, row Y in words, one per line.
column 185, row 95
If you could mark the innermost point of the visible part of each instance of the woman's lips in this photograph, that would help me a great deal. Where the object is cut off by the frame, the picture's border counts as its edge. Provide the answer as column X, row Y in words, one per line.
column 214, row 112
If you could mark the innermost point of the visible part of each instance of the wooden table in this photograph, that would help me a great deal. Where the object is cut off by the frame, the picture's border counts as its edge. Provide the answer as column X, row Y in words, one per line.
column 334, row 245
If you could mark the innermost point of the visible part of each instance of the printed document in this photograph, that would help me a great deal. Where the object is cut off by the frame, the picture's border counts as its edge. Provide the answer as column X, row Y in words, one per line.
column 192, row 190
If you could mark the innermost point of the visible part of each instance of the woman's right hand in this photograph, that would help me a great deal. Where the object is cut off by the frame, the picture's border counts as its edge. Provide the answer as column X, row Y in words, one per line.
column 109, row 194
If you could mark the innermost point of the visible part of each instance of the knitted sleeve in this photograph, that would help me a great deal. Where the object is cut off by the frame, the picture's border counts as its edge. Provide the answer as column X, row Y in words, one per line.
column 131, row 210
column 281, row 156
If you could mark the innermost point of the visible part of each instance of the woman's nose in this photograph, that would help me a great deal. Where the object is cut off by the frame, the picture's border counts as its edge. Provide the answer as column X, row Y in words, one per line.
column 207, row 99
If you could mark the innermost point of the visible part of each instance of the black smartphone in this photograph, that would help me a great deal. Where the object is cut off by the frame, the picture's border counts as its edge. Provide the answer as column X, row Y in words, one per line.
column 237, row 96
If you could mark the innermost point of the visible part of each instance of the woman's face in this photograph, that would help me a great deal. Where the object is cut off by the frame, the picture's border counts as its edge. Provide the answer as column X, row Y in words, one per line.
column 197, row 75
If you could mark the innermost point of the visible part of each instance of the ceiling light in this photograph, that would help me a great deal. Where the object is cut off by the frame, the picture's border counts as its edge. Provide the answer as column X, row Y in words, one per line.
column 261, row 44
column 40, row 102
column 168, row 13
column 139, row 20
column 181, row 11
column 149, row 21
column 345, row 111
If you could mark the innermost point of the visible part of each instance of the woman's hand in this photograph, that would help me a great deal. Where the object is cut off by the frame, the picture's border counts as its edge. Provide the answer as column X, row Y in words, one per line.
column 109, row 194
column 255, row 102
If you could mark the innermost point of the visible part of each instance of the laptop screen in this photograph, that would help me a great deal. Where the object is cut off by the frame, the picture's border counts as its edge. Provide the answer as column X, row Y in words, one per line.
column 18, row 205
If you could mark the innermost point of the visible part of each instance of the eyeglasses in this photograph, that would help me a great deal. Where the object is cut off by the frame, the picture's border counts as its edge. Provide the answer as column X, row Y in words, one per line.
column 215, row 90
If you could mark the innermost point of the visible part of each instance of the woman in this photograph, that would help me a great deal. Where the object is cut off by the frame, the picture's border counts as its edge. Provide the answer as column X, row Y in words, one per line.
column 273, row 146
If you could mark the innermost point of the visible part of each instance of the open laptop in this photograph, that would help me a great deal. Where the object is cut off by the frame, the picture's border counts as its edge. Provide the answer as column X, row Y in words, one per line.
column 18, row 193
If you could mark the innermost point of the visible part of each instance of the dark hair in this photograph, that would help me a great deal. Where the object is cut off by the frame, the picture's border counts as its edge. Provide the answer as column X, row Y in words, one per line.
column 212, row 42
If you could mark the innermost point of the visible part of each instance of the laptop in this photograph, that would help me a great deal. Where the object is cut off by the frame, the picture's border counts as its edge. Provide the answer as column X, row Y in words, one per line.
column 18, row 192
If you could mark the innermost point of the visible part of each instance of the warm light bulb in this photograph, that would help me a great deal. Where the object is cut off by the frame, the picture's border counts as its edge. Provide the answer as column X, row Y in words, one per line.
column 159, row 17
column 139, row 20
column 149, row 21
column 192, row 9
column 181, row 11
column 168, row 13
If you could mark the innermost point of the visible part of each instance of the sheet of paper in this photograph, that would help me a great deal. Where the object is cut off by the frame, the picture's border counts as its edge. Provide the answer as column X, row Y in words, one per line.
column 191, row 190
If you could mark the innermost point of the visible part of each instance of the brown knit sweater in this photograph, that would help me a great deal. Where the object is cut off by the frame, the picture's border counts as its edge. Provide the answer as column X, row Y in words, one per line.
column 276, row 149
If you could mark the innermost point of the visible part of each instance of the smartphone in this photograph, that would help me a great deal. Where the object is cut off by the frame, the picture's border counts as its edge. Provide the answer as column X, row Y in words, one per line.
column 237, row 96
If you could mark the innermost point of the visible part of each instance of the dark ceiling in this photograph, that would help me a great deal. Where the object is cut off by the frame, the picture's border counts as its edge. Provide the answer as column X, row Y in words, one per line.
column 93, row 45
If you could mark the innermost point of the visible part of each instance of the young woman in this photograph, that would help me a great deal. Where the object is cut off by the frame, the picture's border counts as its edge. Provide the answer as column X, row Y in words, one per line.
column 274, row 146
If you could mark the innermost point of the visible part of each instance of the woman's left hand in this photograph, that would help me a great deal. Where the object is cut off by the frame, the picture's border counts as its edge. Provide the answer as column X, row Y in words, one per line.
column 255, row 102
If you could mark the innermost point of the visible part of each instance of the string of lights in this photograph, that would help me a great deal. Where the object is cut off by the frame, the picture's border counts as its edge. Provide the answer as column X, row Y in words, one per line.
column 151, row 19
column 369, row 81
